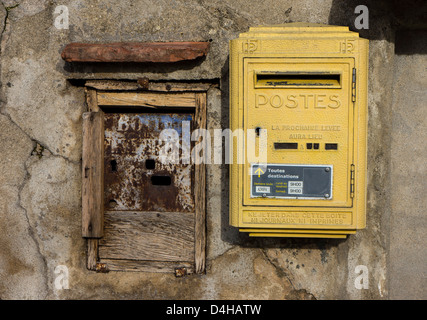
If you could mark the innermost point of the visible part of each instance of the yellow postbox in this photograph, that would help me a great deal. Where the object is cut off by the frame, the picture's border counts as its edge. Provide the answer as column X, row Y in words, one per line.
column 304, row 86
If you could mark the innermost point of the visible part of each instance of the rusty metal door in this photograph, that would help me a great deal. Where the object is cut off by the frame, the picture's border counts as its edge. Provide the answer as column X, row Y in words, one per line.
column 135, row 176
column 149, row 202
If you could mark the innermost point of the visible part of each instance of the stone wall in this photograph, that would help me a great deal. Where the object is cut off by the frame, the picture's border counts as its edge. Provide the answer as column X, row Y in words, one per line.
column 40, row 154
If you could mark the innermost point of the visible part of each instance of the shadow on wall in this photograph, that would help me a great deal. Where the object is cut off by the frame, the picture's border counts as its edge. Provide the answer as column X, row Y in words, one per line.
column 385, row 17
column 105, row 67
column 410, row 25
column 343, row 13
column 410, row 42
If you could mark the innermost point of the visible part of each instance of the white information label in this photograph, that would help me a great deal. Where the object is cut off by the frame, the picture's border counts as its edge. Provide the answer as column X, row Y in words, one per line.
column 295, row 190
column 261, row 189
column 295, row 184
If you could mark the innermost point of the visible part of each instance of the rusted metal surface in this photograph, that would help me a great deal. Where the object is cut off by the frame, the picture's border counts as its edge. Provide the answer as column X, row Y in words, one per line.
column 154, row 52
column 101, row 268
column 143, row 83
column 135, row 178
column 180, row 272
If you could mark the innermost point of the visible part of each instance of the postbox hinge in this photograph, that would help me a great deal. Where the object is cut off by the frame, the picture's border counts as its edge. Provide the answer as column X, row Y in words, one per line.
column 352, row 181
column 353, row 86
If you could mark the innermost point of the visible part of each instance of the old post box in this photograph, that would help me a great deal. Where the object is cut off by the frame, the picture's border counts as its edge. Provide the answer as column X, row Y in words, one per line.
column 305, row 85
column 143, row 207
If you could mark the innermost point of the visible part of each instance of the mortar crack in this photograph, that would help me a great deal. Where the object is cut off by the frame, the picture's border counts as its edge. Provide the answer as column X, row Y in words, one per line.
column 8, row 9
column 223, row 253
column 44, row 147
column 281, row 272
column 21, row 187
column 30, row 229
column 294, row 293
column 219, row 15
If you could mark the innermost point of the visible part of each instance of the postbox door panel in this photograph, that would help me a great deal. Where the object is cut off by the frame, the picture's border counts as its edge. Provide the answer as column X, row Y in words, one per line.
column 306, row 106
column 149, row 200
column 135, row 175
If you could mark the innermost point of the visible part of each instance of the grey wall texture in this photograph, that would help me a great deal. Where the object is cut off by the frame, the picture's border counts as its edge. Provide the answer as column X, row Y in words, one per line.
column 41, row 106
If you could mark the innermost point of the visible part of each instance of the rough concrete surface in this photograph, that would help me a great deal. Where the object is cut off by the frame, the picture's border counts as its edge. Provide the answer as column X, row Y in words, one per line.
column 408, row 223
column 40, row 155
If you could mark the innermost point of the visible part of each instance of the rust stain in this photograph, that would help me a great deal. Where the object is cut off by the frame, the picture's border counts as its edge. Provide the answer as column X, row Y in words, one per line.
column 180, row 272
column 101, row 268
column 146, row 52
column 143, row 83
column 134, row 176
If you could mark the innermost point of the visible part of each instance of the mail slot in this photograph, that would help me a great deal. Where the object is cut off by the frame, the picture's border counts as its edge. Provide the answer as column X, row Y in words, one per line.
column 306, row 86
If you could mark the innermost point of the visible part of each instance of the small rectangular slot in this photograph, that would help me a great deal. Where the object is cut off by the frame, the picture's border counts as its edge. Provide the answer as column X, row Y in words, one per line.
column 315, row 146
column 150, row 164
column 297, row 80
column 309, row 146
column 113, row 165
column 331, row 146
column 161, row 180
column 285, row 145
column 86, row 172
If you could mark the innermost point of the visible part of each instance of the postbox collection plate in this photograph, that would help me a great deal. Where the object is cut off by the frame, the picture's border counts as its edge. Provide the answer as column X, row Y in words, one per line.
column 291, row 181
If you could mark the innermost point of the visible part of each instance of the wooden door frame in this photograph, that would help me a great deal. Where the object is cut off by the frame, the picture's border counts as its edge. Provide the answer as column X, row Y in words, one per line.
column 92, row 182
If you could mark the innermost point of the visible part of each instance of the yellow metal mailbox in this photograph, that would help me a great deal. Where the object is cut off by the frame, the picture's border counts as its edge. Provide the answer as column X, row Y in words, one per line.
column 306, row 86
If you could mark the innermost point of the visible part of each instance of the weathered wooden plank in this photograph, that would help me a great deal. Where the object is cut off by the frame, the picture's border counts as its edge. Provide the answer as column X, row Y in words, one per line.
column 146, row 266
column 153, row 236
column 92, row 253
column 152, row 86
column 91, row 100
column 93, row 175
column 147, row 99
column 154, row 52
column 200, row 192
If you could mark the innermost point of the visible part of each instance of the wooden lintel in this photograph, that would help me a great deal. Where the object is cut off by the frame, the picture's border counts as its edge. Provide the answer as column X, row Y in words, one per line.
column 144, row 52
column 118, row 85
column 147, row 99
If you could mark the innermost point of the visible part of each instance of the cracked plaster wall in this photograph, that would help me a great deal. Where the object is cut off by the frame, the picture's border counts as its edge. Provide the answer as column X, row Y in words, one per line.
column 40, row 165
